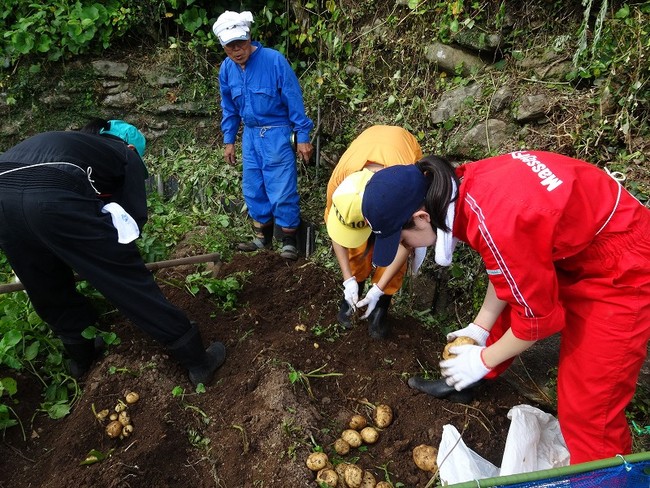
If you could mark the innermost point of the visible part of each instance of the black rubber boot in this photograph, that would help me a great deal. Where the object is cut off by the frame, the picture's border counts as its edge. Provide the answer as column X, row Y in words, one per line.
column 200, row 363
column 81, row 354
column 440, row 389
column 289, row 246
column 262, row 240
column 378, row 327
column 344, row 316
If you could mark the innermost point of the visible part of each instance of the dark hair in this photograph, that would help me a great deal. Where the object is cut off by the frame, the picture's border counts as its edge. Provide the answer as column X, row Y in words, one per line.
column 440, row 194
column 95, row 126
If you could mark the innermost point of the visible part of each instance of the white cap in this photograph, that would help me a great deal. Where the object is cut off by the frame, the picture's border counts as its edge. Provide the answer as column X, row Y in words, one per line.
column 233, row 26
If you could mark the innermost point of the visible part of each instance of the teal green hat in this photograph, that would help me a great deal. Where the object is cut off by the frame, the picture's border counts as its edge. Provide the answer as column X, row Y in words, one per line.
column 128, row 133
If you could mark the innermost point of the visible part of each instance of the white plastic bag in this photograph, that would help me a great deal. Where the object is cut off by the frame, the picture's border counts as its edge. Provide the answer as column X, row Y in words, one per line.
column 457, row 462
column 534, row 443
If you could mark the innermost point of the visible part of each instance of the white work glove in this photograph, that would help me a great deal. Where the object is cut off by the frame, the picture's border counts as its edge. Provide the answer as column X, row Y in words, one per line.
column 351, row 292
column 473, row 331
column 371, row 299
column 466, row 368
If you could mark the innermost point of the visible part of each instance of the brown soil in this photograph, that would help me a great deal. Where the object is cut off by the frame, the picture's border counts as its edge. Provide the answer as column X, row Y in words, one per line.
column 253, row 427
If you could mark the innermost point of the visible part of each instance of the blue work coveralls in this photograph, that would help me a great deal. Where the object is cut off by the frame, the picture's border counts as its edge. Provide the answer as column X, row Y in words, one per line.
column 267, row 98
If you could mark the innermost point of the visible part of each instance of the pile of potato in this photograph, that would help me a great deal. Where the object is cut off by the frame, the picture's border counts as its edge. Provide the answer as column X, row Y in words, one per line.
column 347, row 475
column 119, row 422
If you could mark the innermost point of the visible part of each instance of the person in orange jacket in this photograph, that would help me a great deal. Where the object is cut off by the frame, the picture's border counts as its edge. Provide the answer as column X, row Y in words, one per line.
column 567, row 250
column 377, row 147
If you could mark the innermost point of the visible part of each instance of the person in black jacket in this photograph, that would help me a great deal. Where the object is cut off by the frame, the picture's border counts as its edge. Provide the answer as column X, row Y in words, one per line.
column 75, row 201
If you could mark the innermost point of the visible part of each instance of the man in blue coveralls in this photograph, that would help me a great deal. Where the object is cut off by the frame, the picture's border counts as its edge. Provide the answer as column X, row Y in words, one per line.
column 259, row 88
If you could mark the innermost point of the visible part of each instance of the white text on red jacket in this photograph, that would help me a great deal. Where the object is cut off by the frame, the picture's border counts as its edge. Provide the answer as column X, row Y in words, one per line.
column 549, row 180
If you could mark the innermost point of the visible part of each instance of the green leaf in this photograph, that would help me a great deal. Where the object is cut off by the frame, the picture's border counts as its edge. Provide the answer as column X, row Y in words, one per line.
column 110, row 338
column 58, row 410
column 89, row 332
column 22, row 42
column 294, row 376
column 623, row 12
column 8, row 385
column 95, row 456
column 32, row 350
column 10, row 339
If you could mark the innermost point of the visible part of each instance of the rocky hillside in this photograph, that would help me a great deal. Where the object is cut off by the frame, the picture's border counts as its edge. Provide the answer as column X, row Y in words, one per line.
column 504, row 78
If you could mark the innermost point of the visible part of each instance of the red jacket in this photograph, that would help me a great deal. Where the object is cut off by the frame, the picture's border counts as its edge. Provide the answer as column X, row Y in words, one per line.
column 527, row 212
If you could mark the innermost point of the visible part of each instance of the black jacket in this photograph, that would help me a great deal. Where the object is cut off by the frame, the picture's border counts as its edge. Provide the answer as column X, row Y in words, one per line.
column 117, row 172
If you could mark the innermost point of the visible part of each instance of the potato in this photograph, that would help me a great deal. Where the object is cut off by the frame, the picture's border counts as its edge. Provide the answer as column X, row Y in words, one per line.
column 340, row 470
column 459, row 341
column 369, row 435
column 425, row 457
column 127, row 430
column 123, row 418
column 131, row 397
column 382, row 416
column 328, row 476
column 358, row 422
column 114, row 429
column 352, row 437
column 317, row 461
column 341, row 447
column 383, row 484
column 102, row 414
column 368, row 480
column 353, row 476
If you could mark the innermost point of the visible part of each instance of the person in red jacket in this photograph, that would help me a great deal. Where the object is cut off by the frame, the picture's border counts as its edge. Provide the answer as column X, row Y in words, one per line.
column 566, row 249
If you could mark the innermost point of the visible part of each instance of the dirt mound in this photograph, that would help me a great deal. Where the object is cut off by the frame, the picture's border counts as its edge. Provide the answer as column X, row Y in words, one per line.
column 290, row 383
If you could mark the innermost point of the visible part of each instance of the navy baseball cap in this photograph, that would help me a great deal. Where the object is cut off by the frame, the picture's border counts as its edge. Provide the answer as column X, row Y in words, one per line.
column 391, row 197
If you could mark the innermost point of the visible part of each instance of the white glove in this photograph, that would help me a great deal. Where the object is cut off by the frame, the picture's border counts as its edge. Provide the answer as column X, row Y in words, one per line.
column 466, row 368
column 351, row 292
column 371, row 299
column 473, row 331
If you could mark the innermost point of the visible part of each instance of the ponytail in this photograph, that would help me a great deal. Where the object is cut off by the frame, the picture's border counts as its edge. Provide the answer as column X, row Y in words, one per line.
column 440, row 194
column 95, row 126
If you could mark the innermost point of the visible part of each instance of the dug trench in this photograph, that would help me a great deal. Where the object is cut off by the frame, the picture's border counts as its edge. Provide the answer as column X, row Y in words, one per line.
column 290, row 384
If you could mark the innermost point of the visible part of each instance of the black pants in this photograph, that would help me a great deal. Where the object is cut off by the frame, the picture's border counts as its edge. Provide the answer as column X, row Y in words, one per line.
column 46, row 233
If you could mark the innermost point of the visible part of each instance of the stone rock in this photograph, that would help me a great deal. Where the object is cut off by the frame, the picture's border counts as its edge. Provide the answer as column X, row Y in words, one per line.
column 501, row 99
column 162, row 80
column 448, row 58
column 485, row 137
column 531, row 108
column 56, row 100
column 186, row 108
column 479, row 41
column 110, row 69
column 120, row 100
column 453, row 101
